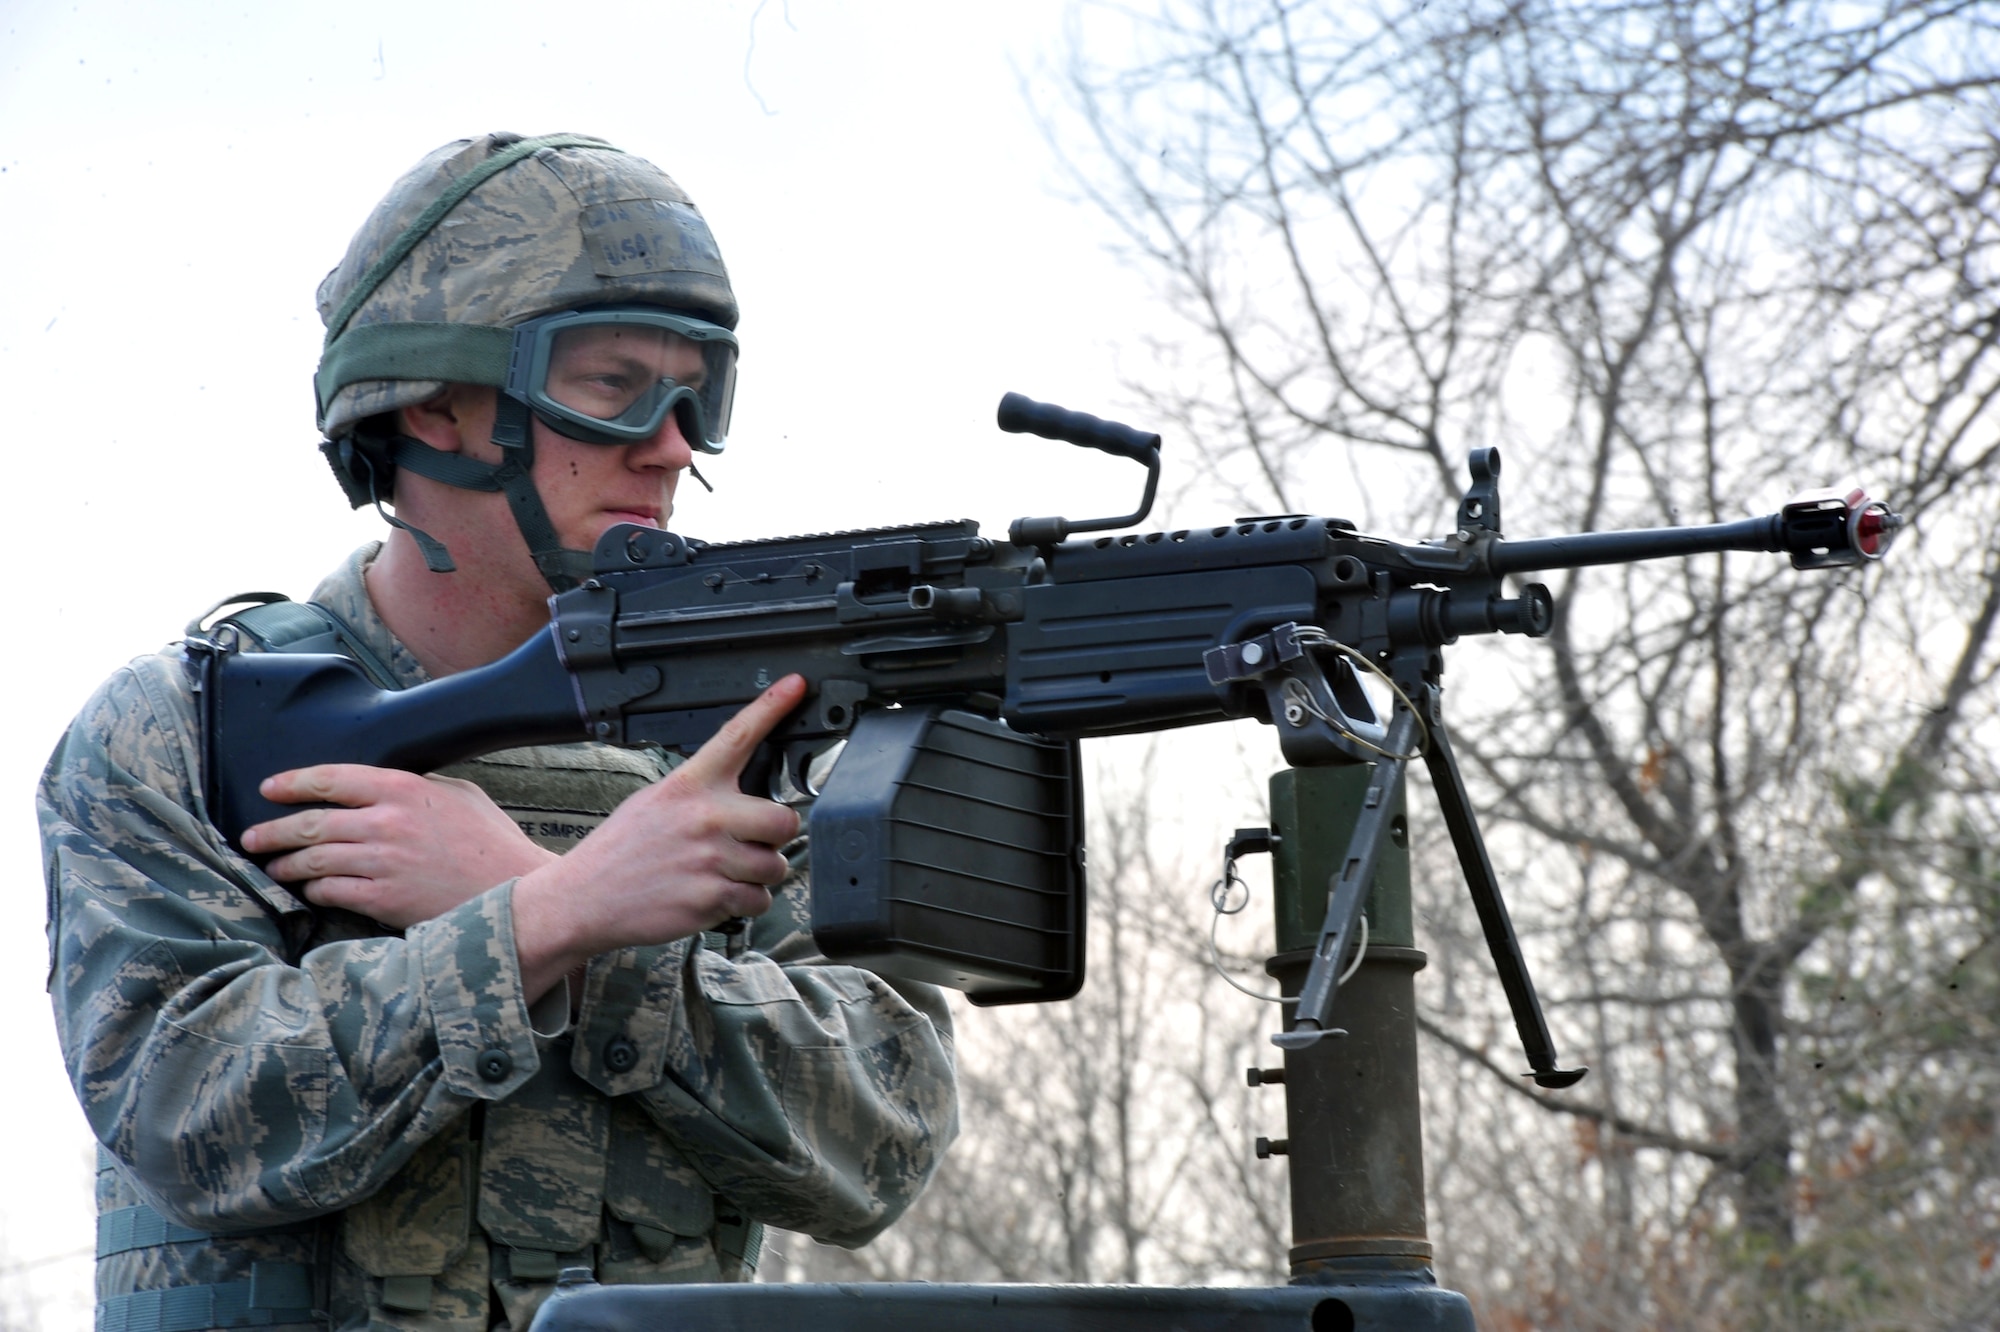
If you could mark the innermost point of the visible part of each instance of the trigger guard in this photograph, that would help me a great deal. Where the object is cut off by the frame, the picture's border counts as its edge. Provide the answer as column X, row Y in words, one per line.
column 801, row 772
column 788, row 785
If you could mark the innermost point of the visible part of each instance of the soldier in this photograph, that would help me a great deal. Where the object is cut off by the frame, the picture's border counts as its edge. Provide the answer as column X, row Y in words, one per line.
column 441, row 1045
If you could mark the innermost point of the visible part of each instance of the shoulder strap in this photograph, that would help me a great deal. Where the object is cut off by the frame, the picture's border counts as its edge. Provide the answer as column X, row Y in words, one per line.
column 276, row 623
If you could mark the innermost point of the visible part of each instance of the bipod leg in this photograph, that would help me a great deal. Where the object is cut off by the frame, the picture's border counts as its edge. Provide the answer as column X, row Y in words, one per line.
column 1350, row 891
column 1493, row 918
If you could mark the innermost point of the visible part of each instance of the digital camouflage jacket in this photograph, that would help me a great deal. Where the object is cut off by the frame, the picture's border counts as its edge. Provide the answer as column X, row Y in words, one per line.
column 302, row 1111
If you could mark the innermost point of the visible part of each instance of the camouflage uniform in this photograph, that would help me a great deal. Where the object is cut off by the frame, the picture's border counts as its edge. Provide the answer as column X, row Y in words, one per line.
column 302, row 1110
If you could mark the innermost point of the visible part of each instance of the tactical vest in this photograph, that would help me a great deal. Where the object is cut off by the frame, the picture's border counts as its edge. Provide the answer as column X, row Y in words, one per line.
column 556, row 1175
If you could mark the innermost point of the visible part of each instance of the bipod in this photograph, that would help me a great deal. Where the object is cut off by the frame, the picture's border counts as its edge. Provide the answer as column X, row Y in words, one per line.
column 1349, row 882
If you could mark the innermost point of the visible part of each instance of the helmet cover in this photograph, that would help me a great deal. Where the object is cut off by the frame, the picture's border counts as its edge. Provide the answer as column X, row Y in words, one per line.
column 565, row 227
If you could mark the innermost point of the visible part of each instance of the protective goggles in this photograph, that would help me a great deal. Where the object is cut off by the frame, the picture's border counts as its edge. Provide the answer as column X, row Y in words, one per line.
column 611, row 375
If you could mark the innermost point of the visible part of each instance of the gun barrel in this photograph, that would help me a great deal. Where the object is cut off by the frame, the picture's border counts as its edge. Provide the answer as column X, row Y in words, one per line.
column 1647, row 543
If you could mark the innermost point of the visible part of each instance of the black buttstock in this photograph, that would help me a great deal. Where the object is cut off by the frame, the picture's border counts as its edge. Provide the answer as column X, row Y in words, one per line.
column 271, row 712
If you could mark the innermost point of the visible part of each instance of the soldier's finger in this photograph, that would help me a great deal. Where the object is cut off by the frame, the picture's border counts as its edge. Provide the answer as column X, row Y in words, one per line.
column 346, row 859
column 308, row 827
column 745, row 900
column 335, row 783
column 749, row 863
column 333, row 891
column 291, row 868
column 723, row 757
column 763, row 823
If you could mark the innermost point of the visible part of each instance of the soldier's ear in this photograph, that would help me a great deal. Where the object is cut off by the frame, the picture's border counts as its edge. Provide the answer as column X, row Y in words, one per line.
column 456, row 419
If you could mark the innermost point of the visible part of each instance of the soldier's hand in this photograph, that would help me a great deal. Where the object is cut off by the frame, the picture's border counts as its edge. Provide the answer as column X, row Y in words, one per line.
column 679, row 857
column 399, row 848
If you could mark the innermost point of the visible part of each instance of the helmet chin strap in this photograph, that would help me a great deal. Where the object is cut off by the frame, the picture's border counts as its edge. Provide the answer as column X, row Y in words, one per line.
column 562, row 569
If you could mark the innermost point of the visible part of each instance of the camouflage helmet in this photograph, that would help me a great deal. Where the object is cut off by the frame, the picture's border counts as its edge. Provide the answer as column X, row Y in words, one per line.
column 485, row 233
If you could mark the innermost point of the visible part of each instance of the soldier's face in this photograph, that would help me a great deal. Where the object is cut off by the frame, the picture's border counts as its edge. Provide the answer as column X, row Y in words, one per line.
column 589, row 487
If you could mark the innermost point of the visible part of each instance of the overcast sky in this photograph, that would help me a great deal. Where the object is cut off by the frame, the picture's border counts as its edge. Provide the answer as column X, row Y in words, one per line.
column 175, row 179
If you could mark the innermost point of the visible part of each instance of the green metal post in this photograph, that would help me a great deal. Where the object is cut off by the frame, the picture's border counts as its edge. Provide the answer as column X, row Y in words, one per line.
column 1354, row 1128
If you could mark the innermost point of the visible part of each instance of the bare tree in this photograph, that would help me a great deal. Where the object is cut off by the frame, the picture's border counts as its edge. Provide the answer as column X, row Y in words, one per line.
column 1679, row 259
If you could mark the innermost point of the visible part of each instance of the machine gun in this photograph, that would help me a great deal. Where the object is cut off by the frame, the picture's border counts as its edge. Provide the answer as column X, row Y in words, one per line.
column 961, row 673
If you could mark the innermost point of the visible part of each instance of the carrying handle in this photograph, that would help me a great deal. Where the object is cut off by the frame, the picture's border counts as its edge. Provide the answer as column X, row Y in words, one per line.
column 1022, row 415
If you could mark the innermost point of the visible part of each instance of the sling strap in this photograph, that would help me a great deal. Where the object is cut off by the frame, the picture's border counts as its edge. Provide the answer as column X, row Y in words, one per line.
column 274, row 622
